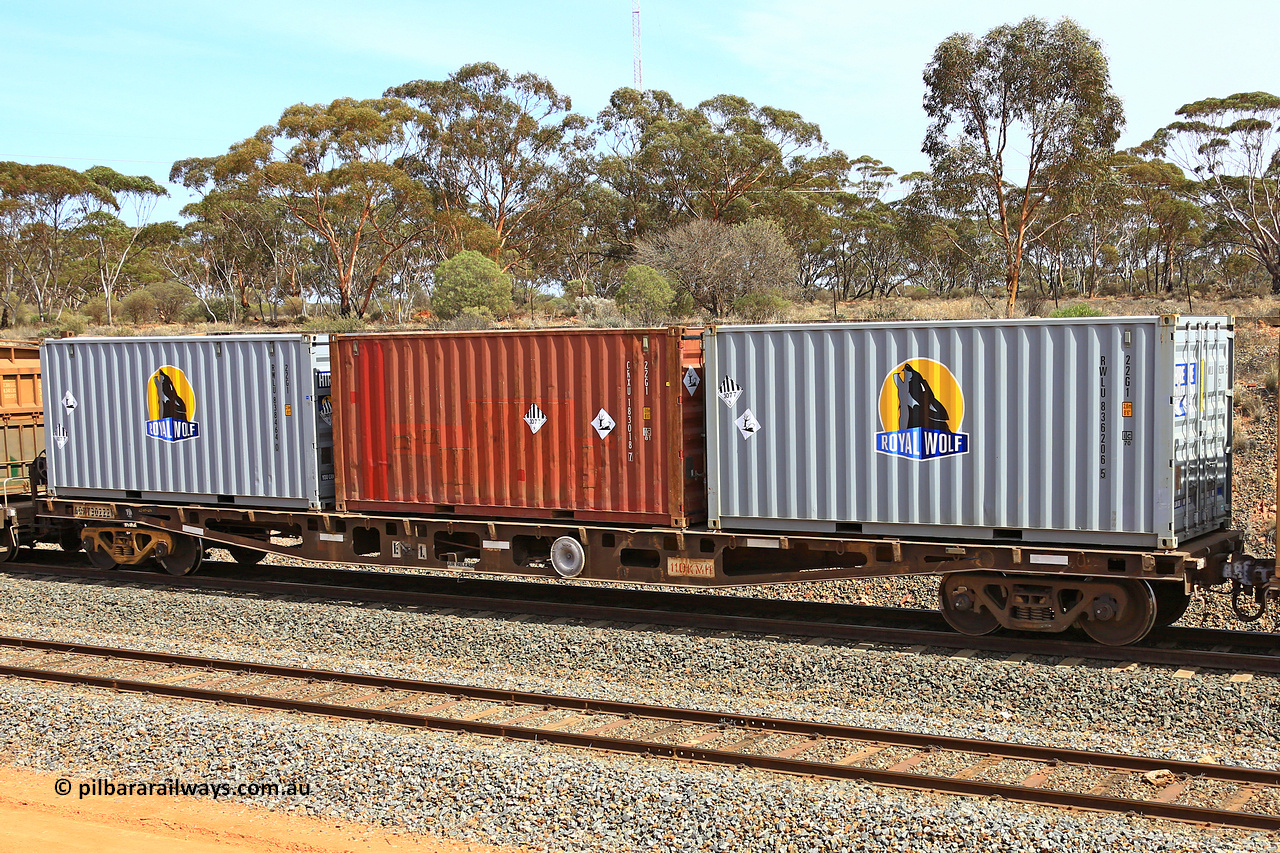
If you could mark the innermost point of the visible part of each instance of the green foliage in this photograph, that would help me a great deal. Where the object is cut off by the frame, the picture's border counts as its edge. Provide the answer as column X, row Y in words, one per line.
column 683, row 305
column 195, row 313
column 1232, row 146
column 138, row 307
column 726, row 159
column 293, row 307
column 224, row 309
column 1050, row 84
column 171, row 300
column 762, row 307
column 506, row 149
column 335, row 169
column 96, row 310
column 116, row 183
column 357, row 201
column 468, row 320
column 334, row 325
column 645, row 294
column 1079, row 309
column 19, row 314
column 717, row 264
column 470, row 280
column 561, row 306
column 598, row 312
column 70, row 323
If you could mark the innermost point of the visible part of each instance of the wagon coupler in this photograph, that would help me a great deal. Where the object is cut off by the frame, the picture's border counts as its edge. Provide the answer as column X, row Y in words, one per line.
column 1253, row 578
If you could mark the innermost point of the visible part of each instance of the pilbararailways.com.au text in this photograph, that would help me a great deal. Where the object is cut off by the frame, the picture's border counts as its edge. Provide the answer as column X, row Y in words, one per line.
column 180, row 788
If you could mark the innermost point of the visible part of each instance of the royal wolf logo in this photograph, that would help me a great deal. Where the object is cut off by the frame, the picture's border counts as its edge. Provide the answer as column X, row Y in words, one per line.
column 921, row 407
column 171, row 405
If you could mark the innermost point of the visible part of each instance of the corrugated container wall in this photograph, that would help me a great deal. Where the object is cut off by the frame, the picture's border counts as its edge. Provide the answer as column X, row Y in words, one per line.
column 21, row 407
column 592, row 424
column 1109, row 431
column 237, row 419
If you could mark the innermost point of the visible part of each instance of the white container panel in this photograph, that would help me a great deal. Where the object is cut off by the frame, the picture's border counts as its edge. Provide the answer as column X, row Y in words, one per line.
column 241, row 419
column 1037, row 430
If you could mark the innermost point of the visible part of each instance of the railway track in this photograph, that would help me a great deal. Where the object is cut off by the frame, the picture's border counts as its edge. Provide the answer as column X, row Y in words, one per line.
column 1188, row 649
column 1246, row 798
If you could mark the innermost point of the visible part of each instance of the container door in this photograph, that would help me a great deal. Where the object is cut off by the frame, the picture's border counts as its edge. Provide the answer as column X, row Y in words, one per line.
column 1202, row 383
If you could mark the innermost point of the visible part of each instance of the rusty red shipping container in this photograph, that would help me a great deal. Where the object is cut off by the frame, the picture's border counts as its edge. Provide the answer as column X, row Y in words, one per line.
column 592, row 424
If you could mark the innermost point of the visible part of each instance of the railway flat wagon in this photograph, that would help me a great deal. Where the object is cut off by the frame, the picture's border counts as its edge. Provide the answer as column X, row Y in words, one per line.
column 21, row 409
column 237, row 420
column 1053, row 473
column 576, row 424
column 1098, row 431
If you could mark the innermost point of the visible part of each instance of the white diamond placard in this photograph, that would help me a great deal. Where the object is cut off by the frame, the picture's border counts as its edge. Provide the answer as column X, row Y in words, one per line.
column 535, row 418
column 729, row 391
column 747, row 424
column 60, row 436
column 692, row 380
column 603, row 423
column 69, row 402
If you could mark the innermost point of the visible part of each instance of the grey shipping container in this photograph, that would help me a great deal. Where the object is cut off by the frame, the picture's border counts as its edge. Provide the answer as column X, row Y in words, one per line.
column 1103, row 431
column 243, row 420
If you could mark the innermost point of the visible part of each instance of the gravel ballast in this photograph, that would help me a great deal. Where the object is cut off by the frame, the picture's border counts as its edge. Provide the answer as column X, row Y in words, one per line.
column 551, row 798
column 533, row 796
column 1144, row 709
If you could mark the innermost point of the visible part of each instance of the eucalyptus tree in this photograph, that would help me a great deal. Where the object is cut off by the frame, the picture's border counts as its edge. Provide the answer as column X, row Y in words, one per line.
column 1232, row 147
column 1033, row 87
column 240, row 246
column 337, row 169
column 506, row 150
column 1101, row 201
column 943, row 251
column 719, row 264
column 1169, row 224
column 41, row 207
column 115, row 241
column 625, row 166
column 726, row 160
column 866, row 249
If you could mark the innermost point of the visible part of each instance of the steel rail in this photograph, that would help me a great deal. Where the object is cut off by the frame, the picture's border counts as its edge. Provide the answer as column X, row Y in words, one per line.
column 1171, row 652
column 746, row 723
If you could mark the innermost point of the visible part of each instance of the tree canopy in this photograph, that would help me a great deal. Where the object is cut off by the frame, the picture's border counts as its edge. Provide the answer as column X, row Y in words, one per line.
column 1232, row 147
column 1030, row 87
column 358, row 206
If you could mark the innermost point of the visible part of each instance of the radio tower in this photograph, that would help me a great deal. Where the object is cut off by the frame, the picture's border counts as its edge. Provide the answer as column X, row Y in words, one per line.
column 635, row 44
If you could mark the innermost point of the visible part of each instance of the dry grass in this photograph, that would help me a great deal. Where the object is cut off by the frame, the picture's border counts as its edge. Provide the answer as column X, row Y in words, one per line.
column 976, row 308
column 863, row 310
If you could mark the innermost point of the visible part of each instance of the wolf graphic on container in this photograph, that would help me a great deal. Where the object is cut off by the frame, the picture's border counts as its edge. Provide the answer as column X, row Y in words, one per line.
column 925, row 422
column 170, row 406
column 918, row 405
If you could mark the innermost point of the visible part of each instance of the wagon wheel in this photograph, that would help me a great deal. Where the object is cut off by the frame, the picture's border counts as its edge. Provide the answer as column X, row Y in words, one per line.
column 99, row 558
column 8, row 550
column 1120, row 621
column 69, row 540
column 1172, row 600
column 245, row 556
column 959, row 602
column 185, row 556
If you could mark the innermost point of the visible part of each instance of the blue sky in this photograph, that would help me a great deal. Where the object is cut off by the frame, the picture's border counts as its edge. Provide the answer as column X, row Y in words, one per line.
column 136, row 85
